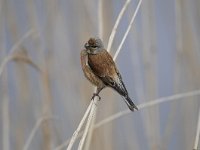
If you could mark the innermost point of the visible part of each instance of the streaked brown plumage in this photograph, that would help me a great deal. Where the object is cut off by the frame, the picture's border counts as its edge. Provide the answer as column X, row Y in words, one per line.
column 100, row 69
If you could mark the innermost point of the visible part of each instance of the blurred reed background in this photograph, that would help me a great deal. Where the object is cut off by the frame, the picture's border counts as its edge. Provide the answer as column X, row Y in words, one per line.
column 44, row 93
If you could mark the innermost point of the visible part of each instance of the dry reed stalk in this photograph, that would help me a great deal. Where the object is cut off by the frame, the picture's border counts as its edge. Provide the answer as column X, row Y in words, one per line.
column 13, row 49
column 76, row 132
column 141, row 106
column 196, row 143
column 34, row 130
column 6, row 114
column 149, row 104
column 112, row 35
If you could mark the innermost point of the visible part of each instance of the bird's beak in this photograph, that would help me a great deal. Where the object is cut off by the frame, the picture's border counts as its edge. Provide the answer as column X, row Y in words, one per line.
column 86, row 45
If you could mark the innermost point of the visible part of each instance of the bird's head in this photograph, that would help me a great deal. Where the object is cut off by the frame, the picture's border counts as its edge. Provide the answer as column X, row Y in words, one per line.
column 94, row 46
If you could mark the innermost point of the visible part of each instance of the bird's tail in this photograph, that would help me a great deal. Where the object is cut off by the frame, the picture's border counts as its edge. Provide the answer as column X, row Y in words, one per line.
column 130, row 103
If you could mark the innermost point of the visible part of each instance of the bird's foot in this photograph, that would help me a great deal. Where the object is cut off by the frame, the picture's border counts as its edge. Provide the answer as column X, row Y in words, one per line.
column 94, row 95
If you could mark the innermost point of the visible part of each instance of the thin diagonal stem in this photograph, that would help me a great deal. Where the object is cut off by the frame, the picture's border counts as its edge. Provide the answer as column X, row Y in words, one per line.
column 142, row 106
column 13, row 49
column 90, row 118
column 197, row 133
column 128, row 29
column 34, row 130
column 111, row 38
column 75, row 134
column 148, row 104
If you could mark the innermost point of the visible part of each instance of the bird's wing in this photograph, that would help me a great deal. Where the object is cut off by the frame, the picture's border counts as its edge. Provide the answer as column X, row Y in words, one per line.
column 104, row 67
column 102, row 64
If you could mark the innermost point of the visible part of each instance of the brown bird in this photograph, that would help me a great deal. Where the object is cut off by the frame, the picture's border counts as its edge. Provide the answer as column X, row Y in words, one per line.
column 100, row 69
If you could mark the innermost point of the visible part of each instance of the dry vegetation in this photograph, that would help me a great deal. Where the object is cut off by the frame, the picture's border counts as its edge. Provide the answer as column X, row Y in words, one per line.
column 44, row 94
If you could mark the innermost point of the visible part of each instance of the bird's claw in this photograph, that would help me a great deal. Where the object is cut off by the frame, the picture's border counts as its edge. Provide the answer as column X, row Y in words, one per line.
column 94, row 95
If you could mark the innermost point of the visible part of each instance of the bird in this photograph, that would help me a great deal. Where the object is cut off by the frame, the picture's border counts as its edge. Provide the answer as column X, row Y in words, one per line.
column 99, row 68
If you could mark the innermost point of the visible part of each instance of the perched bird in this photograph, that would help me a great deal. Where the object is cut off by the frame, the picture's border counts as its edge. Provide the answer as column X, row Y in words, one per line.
column 100, row 69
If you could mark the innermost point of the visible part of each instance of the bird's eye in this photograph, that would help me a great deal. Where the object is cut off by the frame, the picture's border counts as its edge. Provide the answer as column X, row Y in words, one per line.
column 94, row 46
